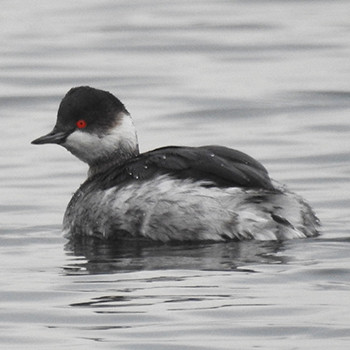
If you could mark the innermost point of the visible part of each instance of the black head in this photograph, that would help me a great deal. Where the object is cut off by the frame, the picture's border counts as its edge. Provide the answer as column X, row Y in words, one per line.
column 85, row 108
column 95, row 126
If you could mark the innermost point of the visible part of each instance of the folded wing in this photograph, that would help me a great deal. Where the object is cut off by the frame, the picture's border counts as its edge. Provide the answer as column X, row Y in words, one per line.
column 218, row 166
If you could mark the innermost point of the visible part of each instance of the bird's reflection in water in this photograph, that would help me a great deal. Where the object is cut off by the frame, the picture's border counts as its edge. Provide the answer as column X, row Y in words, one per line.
column 94, row 256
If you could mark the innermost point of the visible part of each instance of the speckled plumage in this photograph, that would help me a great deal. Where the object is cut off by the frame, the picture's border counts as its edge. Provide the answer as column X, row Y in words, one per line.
column 171, row 193
column 167, row 209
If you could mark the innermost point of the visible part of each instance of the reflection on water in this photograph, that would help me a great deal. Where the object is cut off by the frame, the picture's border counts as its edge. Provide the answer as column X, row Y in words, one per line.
column 108, row 257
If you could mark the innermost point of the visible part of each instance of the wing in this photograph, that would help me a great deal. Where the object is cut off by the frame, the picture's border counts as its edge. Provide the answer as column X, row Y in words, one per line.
column 221, row 166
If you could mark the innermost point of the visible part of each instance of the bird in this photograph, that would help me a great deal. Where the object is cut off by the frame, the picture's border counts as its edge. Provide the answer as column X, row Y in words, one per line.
column 172, row 193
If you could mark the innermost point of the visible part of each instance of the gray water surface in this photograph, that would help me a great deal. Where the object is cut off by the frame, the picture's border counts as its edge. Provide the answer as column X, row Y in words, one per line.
column 270, row 78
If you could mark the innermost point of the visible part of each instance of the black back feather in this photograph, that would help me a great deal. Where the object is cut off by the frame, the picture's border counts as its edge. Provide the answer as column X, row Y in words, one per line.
column 220, row 166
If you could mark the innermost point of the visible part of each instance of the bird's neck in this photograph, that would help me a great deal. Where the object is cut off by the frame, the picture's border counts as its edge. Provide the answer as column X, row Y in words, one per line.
column 118, row 158
column 119, row 146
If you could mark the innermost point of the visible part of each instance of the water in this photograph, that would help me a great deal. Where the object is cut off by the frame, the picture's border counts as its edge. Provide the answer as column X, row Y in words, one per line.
column 270, row 78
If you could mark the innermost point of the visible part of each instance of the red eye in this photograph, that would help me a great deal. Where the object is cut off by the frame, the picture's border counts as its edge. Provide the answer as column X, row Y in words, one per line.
column 81, row 124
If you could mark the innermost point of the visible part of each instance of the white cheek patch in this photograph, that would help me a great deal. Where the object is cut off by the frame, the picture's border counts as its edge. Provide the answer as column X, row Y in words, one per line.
column 85, row 146
column 89, row 147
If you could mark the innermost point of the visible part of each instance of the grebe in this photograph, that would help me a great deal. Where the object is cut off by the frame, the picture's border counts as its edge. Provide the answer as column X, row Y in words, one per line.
column 169, row 194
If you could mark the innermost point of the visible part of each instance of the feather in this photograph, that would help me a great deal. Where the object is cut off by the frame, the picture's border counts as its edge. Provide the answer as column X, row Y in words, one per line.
column 221, row 166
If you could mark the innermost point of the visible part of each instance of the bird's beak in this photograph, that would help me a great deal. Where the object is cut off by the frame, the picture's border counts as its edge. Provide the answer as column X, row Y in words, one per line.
column 54, row 136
